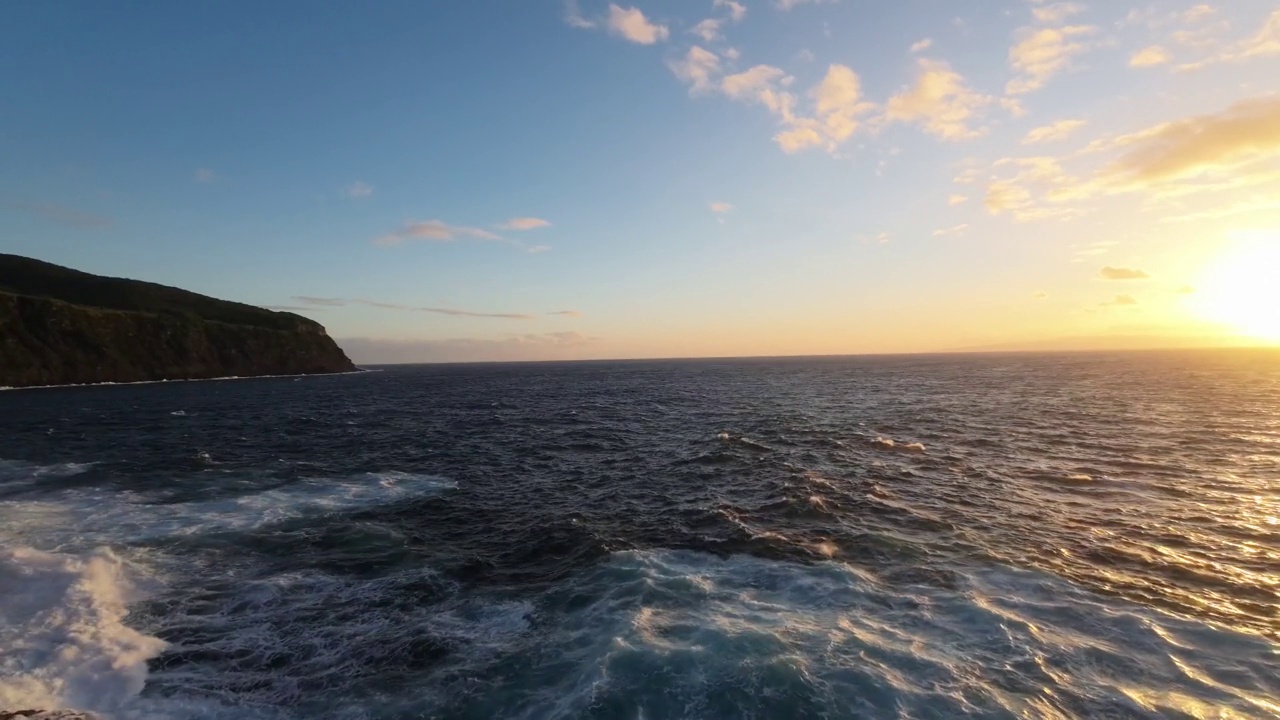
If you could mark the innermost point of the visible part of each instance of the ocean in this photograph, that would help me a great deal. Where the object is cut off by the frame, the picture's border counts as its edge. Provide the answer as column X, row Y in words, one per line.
column 964, row 536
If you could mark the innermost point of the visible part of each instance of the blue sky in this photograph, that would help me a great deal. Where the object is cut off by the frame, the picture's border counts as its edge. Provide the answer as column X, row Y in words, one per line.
column 540, row 179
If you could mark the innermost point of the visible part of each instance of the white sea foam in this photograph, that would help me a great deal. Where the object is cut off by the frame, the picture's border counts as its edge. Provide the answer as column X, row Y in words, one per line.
column 785, row 638
column 63, row 641
column 890, row 444
column 81, row 518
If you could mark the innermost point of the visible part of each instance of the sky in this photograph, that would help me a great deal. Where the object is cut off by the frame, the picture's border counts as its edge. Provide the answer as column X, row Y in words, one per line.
column 534, row 180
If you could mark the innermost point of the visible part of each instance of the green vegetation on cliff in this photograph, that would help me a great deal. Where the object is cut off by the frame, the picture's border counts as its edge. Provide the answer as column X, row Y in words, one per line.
column 61, row 326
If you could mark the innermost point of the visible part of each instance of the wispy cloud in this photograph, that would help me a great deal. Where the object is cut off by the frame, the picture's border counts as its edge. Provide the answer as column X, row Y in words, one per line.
column 789, row 4
column 359, row 189
column 1121, row 301
column 631, row 25
column 574, row 18
column 566, row 313
column 205, row 175
column 708, row 30
column 526, row 346
column 63, row 215
column 737, row 11
column 1053, row 132
column 939, row 101
column 1122, row 273
column 454, row 312
column 524, row 223
column 537, row 249
column 1056, row 13
column 955, row 200
column 956, row 230
column 1149, row 57
column 1040, row 295
column 721, row 207
column 434, row 231
column 1264, row 42
column 1041, row 53
column 920, row 46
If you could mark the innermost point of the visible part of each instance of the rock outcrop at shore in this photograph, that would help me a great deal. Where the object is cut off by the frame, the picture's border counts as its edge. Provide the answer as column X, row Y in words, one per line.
column 60, row 326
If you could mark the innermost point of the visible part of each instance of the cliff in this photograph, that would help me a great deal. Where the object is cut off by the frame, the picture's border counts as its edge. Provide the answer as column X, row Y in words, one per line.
column 60, row 326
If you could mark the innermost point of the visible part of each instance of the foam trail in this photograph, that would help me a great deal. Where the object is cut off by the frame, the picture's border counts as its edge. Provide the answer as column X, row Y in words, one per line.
column 63, row 641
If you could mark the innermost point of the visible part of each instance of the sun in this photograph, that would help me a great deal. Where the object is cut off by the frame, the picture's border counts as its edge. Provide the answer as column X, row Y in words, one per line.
column 1242, row 287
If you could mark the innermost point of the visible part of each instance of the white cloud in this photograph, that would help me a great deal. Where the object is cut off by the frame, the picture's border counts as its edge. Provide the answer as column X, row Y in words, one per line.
column 573, row 16
column 1149, row 57
column 1042, row 53
column 205, row 175
column 939, row 101
column 737, row 11
column 1264, row 42
column 806, row 56
column 921, row 45
column 708, row 30
column 721, row 207
column 435, row 231
column 957, row 230
column 632, row 25
column 359, row 189
column 788, row 4
column 698, row 68
column 955, row 200
column 524, row 223
column 1053, row 132
column 537, row 249
column 1056, row 13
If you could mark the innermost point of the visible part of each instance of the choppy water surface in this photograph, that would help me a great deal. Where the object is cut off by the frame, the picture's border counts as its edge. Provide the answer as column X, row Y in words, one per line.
column 923, row 537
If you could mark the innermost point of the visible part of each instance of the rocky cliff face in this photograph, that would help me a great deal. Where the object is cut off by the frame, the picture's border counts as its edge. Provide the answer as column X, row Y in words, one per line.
column 139, row 331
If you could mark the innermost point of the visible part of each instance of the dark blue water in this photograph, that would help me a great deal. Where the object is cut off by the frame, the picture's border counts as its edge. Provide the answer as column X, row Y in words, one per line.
column 916, row 537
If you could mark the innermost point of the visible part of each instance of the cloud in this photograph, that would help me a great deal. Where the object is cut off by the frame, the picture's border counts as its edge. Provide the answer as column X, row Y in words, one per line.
column 1053, row 132
column 1041, row 295
column 721, row 207
column 293, row 308
column 537, row 249
column 955, row 200
column 454, row 312
column 921, row 45
column 737, row 11
column 1042, row 53
column 883, row 238
column 939, row 101
column 323, row 302
column 524, row 223
column 957, row 230
column 205, row 175
column 1121, row 301
column 1120, row 273
column 632, row 25
column 1185, row 290
column 708, row 30
column 1056, row 13
column 698, row 69
column 527, row 346
column 566, row 313
column 359, row 189
column 1149, row 57
column 1263, row 43
column 573, row 16
column 806, row 56
column 63, row 215
column 1244, row 133
column 433, row 230
column 785, row 5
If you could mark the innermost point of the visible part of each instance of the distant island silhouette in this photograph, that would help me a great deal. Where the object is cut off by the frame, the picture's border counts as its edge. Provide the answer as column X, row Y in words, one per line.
column 60, row 326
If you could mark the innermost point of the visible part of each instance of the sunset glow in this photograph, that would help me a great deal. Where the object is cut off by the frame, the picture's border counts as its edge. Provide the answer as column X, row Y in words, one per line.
column 1242, row 288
